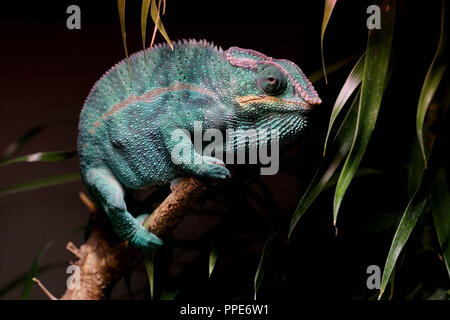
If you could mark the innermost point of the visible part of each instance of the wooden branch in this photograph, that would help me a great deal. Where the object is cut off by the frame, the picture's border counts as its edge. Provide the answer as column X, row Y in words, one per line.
column 103, row 261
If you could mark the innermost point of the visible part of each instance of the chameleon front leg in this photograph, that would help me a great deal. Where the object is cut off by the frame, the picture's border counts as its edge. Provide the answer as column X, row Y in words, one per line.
column 183, row 154
column 110, row 195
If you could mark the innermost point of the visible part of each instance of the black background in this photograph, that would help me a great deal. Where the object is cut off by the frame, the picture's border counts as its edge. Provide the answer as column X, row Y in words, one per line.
column 47, row 71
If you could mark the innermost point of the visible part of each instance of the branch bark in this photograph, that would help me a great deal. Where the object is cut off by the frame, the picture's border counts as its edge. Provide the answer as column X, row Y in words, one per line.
column 103, row 261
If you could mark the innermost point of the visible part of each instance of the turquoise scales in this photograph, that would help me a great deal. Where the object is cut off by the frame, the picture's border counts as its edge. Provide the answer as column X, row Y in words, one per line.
column 126, row 124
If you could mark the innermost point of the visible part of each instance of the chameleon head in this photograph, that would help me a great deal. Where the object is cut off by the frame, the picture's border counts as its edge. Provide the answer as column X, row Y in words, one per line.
column 270, row 93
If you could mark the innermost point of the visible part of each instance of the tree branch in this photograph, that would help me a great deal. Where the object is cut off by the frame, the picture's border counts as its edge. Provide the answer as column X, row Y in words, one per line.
column 103, row 261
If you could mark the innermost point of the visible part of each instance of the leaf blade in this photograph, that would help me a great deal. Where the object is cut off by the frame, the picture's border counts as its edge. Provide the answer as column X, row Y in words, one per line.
column 15, row 282
column 49, row 156
column 260, row 270
column 407, row 223
column 329, row 6
column 144, row 15
column 155, row 13
column 15, row 146
column 331, row 68
column 350, row 85
column 40, row 183
column 432, row 79
column 149, row 262
column 375, row 76
column 326, row 171
column 34, row 270
column 440, row 204
column 416, row 168
column 121, row 9
column 213, row 258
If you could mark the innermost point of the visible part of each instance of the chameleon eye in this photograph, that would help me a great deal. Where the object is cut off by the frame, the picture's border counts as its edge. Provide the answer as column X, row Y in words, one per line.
column 271, row 80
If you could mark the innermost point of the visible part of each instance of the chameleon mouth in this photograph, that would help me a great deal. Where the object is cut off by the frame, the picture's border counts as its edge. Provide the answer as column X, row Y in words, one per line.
column 289, row 105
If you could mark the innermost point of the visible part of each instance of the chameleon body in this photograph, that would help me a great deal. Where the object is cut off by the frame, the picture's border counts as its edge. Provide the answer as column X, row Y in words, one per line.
column 131, row 112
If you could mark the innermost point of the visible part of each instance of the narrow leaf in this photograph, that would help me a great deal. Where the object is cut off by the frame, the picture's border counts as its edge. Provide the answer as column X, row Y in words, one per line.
column 430, row 85
column 374, row 81
column 50, row 156
column 415, row 168
column 121, row 8
column 327, row 168
column 19, row 280
column 212, row 258
column 404, row 229
column 34, row 270
column 149, row 261
column 440, row 207
column 144, row 14
column 329, row 6
column 439, row 294
column 361, row 172
column 15, row 146
column 260, row 270
column 40, row 183
column 331, row 68
column 352, row 82
column 157, row 19
column 169, row 294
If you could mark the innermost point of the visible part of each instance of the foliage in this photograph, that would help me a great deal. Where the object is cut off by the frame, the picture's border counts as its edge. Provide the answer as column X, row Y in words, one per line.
column 347, row 145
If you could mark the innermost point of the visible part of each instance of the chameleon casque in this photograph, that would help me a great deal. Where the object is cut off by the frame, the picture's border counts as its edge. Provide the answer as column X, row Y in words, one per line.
column 126, row 123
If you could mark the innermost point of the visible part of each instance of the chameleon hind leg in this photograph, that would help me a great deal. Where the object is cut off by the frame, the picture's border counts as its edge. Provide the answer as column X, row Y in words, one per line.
column 110, row 195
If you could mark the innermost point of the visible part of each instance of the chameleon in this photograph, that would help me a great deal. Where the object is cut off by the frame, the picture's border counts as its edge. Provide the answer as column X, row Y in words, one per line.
column 127, row 120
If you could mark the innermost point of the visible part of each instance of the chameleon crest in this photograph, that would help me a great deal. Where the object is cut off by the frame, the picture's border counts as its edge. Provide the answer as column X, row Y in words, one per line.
column 126, row 125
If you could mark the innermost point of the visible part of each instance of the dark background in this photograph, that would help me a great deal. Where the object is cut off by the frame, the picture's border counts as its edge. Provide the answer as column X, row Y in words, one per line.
column 48, row 70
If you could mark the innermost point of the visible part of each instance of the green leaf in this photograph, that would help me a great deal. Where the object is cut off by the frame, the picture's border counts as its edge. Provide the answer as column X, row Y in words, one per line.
column 415, row 169
column 144, row 14
column 381, row 221
column 327, row 168
column 439, row 294
column 440, row 207
column 350, row 85
column 413, row 293
column 157, row 19
column 260, row 270
column 407, row 223
column 329, row 6
column 169, row 294
column 374, row 81
column 335, row 66
column 17, row 281
column 40, row 183
column 361, row 172
column 149, row 261
column 121, row 8
column 34, row 270
column 212, row 258
column 15, row 146
column 50, row 156
column 430, row 85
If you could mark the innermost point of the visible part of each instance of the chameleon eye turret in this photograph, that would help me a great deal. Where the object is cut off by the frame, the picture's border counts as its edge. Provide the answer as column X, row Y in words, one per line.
column 271, row 80
column 127, row 124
